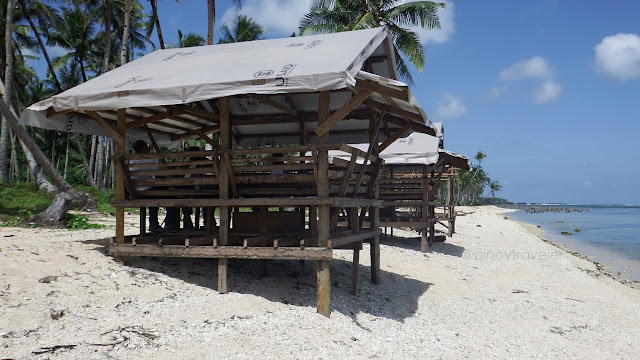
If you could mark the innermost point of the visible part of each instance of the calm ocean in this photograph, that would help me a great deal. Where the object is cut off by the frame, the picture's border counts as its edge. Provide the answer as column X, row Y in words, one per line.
column 609, row 234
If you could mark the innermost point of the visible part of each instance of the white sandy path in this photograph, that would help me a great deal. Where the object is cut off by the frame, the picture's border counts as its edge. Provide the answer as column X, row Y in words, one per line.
column 463, row 300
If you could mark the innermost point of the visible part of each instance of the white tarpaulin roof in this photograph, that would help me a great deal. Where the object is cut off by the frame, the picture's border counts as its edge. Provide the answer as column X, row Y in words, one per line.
column 415, row 149
column 289, row 71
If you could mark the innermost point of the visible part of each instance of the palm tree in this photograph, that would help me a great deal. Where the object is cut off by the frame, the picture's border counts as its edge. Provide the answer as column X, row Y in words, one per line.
column 494, row 186
column 479, row 157
column 327, row 16
column 244, row 29
column 76, row 34
column 35, row 11
column 189, row 40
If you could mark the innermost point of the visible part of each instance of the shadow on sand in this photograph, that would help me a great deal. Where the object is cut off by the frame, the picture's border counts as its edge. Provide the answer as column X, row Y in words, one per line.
column 413, row 243
column 291, row 282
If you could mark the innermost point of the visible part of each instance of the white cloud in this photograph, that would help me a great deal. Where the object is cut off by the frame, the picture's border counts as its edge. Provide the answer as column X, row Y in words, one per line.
column 546, row 92
column 618, row 56
column 587, row 184
column 495, row 93
column 446, row 30
column 279, row 17
column 536, row 68
column 452, row 107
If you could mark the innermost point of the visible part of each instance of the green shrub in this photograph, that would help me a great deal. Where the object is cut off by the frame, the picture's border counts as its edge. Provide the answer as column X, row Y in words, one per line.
column 81, row 222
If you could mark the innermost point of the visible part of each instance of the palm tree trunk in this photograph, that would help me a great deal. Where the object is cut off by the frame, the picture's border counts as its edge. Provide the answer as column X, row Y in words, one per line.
column 125, row 33
column 83, row 156
column 211, row 20
column 14, row 169
column 4, row 128
column 66, row 158
column 92, row 158
column 43, row 48
column 57, row 211
column 154, row 8
column 107, row 36
column 100, row 163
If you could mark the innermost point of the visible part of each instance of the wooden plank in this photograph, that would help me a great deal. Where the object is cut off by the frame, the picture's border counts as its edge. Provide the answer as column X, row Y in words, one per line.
column 257, row 241
column 241, row 202
column 392, row 91
column 351, row 104
column 126, row 176
column 363, row 235
column 153, row 118
column 268, row 101
column 354, row 272
column 286, row 241
column 106, row 126
column 395, row 136
column 207, row 139
column 222, row 252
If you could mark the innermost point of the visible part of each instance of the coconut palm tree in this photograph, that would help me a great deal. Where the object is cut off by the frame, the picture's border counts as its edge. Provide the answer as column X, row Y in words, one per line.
column 76, row 34
column 494, row 186
column 397, row 16
column 189, row 40
column 244, row 29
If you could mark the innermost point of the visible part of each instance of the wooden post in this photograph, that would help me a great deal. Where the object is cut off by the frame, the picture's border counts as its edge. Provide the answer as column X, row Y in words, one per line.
column 425, row 214
column 143, row 219
column 432, row 209
column 323, row 267
column 121, row 150
column 374, row 211
column 355, row 228
column 223, row 183
column 450, row 206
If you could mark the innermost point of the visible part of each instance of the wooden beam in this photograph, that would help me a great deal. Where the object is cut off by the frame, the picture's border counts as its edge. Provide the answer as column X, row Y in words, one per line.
column 153, row 118
column 222, row 252
column 355, row 100
column 363, row 235
column 269, row 101
column 395, row 136
column 397, row 93
column 105, row 125
column 207, row 139
column 151, row 139
column 239, row 202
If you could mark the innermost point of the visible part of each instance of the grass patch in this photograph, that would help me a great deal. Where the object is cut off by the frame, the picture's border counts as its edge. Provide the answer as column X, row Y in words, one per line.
column 22, row 200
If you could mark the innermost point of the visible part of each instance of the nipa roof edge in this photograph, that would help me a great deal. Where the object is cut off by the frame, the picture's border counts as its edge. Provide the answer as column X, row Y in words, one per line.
column 166, row 79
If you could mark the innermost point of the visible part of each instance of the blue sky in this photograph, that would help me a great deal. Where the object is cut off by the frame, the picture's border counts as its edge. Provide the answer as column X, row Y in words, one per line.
column 549, row 90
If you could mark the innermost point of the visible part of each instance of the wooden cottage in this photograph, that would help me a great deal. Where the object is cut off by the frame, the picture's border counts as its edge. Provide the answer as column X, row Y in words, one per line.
column 414, row 168
column 277, row 107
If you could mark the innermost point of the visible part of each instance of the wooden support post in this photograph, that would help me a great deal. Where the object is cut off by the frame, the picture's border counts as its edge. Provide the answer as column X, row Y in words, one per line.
column 223, row 183
column 143, row 220
column 374, row 212
column 450, row 206
column 120, row 188
column 323, row 267
column 432, row 209
column 355, row 228
column 425, row 212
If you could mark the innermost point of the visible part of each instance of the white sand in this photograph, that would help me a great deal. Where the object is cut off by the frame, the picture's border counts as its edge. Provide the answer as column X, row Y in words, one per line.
column 482, row 294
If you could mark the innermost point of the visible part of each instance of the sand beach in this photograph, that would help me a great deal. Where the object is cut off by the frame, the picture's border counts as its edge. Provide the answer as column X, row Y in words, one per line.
column 494, row 290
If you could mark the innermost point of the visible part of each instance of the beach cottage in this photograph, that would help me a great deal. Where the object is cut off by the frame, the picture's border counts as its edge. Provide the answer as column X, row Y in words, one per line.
column 277, row 108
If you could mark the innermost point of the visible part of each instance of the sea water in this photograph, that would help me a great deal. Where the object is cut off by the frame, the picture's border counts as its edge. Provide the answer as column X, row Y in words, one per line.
column 608, row 234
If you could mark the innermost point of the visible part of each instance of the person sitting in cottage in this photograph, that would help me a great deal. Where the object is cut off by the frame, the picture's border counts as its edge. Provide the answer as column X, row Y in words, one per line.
column 187, row 223
column 173, row 214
